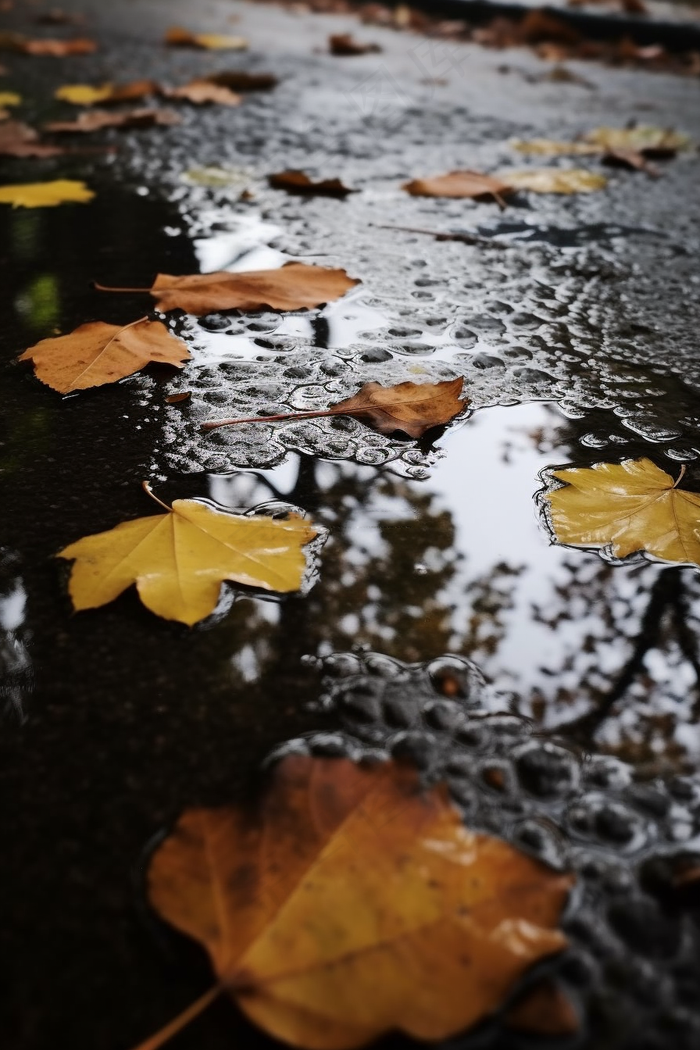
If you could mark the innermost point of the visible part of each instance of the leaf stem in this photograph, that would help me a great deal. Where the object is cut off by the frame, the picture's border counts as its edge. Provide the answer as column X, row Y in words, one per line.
column 680, row 476
column 146, row 486
column 106, row 288
column 183, row 1019
column 215, row 423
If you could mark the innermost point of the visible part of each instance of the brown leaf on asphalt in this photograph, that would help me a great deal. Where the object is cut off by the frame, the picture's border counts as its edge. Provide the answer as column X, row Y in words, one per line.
column 411, row 408
column 53, row 48
column 354, row 902
column 176, row 36
column 460, row 184
column 299, row 182
column 202, row 91
column 296, row 286
column 345, row 44
column 99, row 353
column 554, row 180
column 630, row 158
column 178, row 399
column 19, row 140
column 96, row 119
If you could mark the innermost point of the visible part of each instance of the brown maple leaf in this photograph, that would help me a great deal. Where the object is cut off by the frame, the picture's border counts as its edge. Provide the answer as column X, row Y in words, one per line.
column 345, row 44
column 19, row 140
column 96, row 119
column 461, row 184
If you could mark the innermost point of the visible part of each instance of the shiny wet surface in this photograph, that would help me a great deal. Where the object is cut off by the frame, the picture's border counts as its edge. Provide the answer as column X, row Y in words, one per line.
column 574, row 350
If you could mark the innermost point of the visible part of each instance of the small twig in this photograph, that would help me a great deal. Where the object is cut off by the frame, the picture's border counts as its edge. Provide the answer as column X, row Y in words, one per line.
column 183, row 1019
column 146, row 486
column 464, row 238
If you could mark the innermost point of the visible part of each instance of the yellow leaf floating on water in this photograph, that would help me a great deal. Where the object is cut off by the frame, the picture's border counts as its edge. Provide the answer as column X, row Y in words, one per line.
column 554, row 180
column 353, row 903
column 179, row 560
column 83, row 94
column 45, row 194
column 627, row 507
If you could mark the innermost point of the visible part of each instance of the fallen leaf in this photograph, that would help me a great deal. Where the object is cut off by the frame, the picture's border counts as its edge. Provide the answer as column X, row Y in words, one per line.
column 460, row 184
column 354, row 903
column 179, row 37
column 651, row 141
column 630, row 158
column 19, row 140
column 177, row 399
column 83, row 94
column 99, row 353
column 53, row 48
column 96, row 119
column 626, row 507
column 203, row 90
column 551, row 148
column 45, row 194
column 295, row 286
column 239, row 80
column 10, row 98
column 345, row 44
column 413, row 408
column 299, row 182
column 554, row 180
column 544, row 1010
column 178, row 560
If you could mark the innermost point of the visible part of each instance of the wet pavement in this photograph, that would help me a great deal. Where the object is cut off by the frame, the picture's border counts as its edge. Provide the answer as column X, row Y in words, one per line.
column 574, row 321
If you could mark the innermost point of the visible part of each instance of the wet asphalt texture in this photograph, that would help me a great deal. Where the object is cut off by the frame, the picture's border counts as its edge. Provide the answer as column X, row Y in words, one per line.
column 115, row 721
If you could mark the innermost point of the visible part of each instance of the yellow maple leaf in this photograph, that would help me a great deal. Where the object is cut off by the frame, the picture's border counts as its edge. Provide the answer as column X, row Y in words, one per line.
column 83, row 94
column 627, row 507
column 176, row 36
column 9, row 98
column 553, row 148
column 354, row 903
column 554, row 180
column 45, row 194
column 179, row 560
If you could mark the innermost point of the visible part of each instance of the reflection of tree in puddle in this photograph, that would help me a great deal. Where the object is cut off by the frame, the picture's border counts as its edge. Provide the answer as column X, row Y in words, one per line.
column 459, row 563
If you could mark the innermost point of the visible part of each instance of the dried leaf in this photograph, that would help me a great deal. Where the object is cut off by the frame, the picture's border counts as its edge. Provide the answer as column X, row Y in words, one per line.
column 554, row 180
column 83, row 94
column 45, row 194
column 53, row 48
column 203, row 90
column 178, row 399
column 179, row 560
column 299, row 182
column 645, row 139
column 550, row 148
column 345, row 44
column 459, row 184
column 96, row 119
column 98, row 353
column 630, row 158
column 356, row 903
column 295, row 286
column 10, row 98
column 179, row 37
column 413, row 408
column 626, row 507
column 19, row 140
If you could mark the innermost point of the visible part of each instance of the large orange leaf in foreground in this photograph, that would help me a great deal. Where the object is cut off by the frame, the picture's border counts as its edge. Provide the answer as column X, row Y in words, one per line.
column 355, row 903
